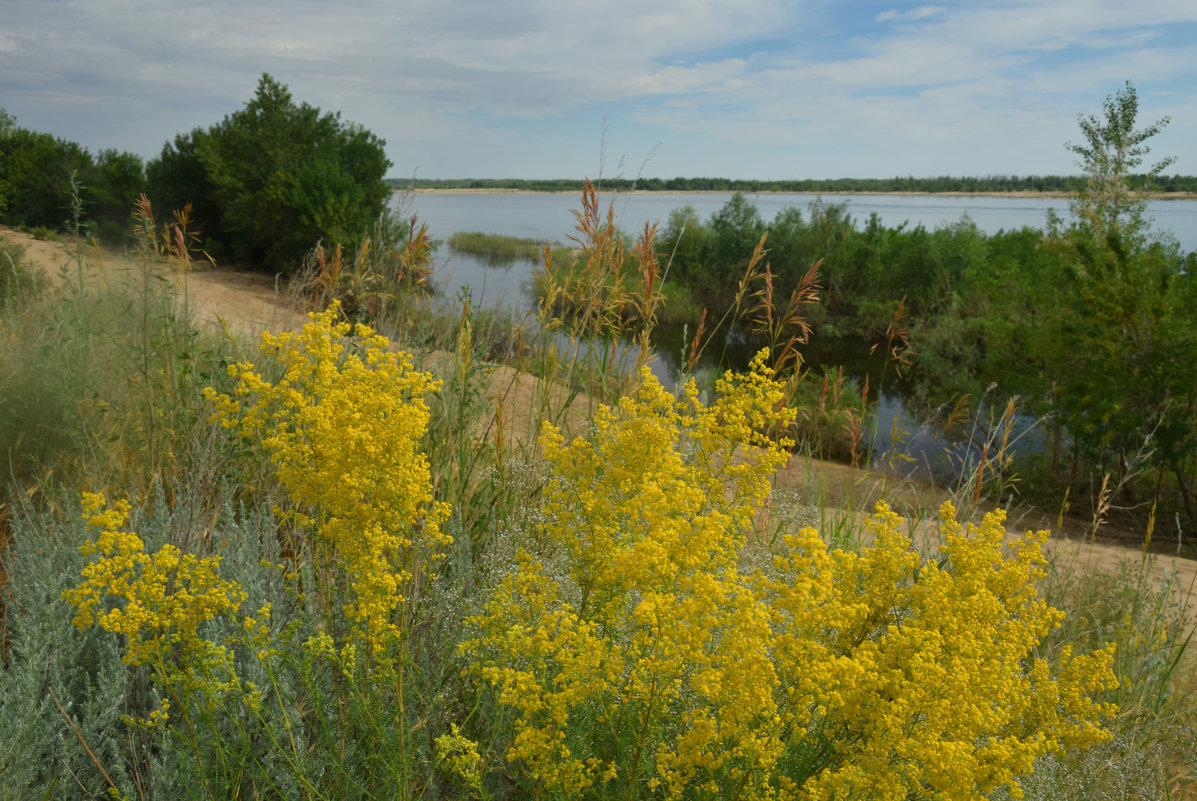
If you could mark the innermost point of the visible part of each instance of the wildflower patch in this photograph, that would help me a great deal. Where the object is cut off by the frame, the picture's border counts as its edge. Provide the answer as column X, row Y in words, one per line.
column 637, row 649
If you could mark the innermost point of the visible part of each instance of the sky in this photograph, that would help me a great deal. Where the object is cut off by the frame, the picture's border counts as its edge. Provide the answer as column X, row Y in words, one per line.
column 769, row 89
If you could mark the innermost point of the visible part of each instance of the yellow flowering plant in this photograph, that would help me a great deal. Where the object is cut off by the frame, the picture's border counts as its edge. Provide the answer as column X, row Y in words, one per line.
column 159, row 601
column 636, row 655
column 342, row 427
column 911, row 675
column 168, row 605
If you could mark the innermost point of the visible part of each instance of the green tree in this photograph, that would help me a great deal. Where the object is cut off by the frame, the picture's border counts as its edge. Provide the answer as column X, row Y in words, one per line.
column 687, row 241
column 1113, row 199
column 1126, row 381
column 177, row 177
column 285, row 176
column 737, row 228
column 36, row 168
column 115, row 181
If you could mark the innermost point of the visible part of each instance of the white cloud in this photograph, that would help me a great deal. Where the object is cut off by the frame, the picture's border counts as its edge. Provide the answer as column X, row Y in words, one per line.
column 919, row 12
column 725, row 75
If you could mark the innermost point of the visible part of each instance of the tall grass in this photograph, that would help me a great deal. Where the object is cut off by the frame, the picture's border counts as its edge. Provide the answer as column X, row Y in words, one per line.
column 18, row 278
column 102, row 377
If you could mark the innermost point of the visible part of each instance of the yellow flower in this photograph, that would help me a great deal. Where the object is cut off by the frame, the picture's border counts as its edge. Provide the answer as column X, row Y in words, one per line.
column 342, row 426
column 157, row 600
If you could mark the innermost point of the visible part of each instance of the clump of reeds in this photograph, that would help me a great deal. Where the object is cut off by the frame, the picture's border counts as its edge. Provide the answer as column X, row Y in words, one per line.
column 495, row 248
column 605, row 297
column 391, row 264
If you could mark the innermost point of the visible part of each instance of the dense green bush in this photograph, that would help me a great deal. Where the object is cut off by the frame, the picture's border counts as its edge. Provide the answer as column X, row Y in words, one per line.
column 36, row 170
column 273, row 179
column 1088, row 321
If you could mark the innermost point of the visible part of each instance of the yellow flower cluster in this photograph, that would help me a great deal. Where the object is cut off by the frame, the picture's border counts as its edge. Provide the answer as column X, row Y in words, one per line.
column 459, row 757
column 908, row 674
column 653, row 657
column 343, row 427
column 665, row 645
column 157, row 600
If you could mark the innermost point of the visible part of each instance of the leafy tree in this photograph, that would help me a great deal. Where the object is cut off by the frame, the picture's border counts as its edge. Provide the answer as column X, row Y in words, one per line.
column 115, row 181
column 737, row 228
column 277, row 177
column 1127, row 383
column 1113, row 200
column 687, row 240
column 36, row 168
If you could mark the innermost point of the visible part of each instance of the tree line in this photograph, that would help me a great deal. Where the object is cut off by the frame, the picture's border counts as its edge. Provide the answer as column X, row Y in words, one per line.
column 987, row 184
column 36, row 170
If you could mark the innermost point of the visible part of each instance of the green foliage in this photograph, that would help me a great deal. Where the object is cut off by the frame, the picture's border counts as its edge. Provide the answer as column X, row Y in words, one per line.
column 864, row 272
column 1086, row 322
column 36, row 168
column 1112, row 199
column 115, row 182
column 737, row 227
column 1124, row 373
column 274, row 179
column 1091, row 325
column 7, row 123
column 177, row 177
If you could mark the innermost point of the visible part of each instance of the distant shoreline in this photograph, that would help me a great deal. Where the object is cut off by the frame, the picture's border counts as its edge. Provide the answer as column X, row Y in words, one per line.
column 1021, row 193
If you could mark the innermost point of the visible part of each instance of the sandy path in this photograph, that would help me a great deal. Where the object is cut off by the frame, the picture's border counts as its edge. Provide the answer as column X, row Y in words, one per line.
column 244, row 302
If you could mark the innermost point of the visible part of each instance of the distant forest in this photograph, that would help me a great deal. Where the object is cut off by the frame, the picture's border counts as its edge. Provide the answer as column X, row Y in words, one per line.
column 987, row 184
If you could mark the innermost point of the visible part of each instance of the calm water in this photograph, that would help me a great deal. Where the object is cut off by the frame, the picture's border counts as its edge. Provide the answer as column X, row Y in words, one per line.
column 547, row 216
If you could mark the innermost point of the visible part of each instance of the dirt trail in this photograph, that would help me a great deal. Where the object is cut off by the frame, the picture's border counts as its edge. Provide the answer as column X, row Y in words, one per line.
column 246, row 303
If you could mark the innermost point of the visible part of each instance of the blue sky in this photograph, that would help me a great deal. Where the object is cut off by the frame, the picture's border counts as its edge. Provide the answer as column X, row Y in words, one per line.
column 555, row 88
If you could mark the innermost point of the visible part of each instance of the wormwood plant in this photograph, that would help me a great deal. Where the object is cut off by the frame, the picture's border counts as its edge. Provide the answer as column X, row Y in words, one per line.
column 648, row 644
